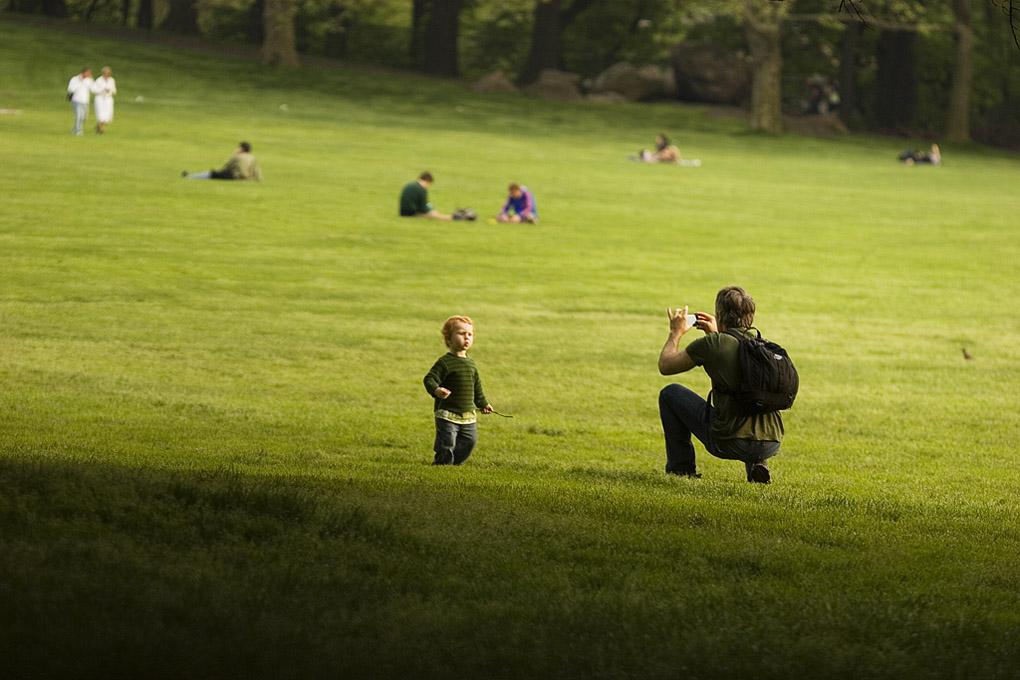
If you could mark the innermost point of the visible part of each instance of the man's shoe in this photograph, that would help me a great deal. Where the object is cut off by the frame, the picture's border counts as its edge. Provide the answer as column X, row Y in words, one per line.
column 685, row 473
column 760, row 474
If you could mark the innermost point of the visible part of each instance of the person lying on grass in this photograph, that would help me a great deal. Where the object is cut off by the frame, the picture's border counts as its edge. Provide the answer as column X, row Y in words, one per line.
column 664, row 151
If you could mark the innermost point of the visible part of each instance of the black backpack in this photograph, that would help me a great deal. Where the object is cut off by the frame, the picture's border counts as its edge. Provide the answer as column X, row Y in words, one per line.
column 768, row 378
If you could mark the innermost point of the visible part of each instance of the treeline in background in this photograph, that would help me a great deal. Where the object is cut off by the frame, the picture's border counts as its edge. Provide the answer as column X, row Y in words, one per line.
column 942, row 69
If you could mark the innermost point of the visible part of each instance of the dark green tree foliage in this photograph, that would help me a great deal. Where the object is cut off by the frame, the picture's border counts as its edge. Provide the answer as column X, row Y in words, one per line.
column 610, row 32
column 49, row 8
column 499, row 42
column 335, row 38
column 322, row 28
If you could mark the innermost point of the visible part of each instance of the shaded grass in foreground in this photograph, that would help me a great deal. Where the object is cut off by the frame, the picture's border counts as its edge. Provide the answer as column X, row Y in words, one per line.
column 582, row 576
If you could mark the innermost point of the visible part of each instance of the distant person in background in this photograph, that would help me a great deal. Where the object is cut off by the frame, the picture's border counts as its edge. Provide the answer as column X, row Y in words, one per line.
column 79, row 92
column 933, row 157
column 519, row 206
column 104, row 88
column 242, row 165
column 664, row 152
column 414, row 199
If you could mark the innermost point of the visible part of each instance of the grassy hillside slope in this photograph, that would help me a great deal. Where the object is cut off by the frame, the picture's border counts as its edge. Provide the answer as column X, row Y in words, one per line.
column 214, row 441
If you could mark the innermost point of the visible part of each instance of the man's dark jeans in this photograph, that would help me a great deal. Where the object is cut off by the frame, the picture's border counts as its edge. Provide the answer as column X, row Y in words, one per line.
column 685, row 413
column 454, row 442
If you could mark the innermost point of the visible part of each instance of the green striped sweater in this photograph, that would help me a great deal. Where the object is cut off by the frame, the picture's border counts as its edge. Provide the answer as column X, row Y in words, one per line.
column 460, row 376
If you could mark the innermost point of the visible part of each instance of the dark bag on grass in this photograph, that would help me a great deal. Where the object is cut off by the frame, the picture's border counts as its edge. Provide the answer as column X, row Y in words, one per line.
column 768, row 379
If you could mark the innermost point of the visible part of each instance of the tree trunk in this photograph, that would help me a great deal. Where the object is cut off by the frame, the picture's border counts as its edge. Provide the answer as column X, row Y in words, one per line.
column 419, row 20
column 279, row 47
column 849, row 50
column 336, row 35
column 895, row 80
column 183, row 18
column 762, row 29
column 546, row 34
column 144, row 18
column 958, row 124
column 254, row 30
column 441, row 38
column 545, row 40
column 53, row 8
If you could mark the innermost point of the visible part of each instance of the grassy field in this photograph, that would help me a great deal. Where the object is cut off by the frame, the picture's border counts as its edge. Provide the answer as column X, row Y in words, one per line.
column 214, row 440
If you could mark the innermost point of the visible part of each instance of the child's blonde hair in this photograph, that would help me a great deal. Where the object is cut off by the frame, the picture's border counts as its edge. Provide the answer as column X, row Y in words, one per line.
column 448, row 326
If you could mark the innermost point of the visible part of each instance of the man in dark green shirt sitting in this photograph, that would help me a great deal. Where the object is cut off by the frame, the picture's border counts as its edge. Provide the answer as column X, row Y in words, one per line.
column 725, row 429
column 414, row 199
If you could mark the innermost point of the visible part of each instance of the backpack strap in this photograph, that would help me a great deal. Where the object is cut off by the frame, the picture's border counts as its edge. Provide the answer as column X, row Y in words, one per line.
column 738, row 336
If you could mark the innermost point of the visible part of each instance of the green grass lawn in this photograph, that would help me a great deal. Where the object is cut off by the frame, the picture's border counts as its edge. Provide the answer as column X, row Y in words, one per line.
column 215, row 442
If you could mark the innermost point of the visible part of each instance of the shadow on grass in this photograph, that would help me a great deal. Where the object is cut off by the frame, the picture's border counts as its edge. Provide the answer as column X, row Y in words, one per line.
column 114, row 571
column 108, row 571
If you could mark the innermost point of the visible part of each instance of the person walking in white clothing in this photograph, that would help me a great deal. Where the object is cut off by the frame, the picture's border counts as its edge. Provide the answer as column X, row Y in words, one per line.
column 79, row 92
column 105, row 87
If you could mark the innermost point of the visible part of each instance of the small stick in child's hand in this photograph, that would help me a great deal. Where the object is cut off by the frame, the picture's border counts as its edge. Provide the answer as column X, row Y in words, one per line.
column 501, row 414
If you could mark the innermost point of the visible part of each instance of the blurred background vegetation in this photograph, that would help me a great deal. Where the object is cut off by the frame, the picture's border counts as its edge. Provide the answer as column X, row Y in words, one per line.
column 935, row 68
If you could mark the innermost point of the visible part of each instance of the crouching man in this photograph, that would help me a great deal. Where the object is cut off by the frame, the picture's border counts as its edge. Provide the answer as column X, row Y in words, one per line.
column 723, row 427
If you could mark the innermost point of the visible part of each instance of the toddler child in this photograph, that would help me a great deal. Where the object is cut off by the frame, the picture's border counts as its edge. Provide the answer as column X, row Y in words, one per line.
column 454, row 382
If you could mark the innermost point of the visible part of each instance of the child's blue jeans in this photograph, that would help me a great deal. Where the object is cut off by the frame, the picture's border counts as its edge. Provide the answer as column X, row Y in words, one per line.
column 454, row 442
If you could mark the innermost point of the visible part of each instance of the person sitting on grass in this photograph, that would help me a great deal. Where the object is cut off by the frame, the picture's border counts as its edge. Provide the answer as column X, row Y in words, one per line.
column 454, row 383
column 242, row 165
column 519, row 206
column 725, row 429
column 414, row 199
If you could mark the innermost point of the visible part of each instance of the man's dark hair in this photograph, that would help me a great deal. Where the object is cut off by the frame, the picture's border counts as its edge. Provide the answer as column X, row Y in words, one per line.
column 425, row 176
column 734, row 308
column 245, row 147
